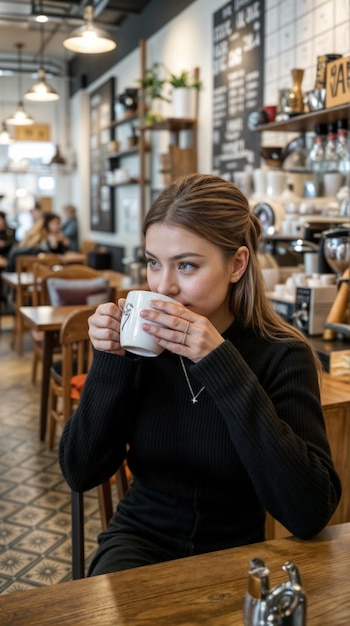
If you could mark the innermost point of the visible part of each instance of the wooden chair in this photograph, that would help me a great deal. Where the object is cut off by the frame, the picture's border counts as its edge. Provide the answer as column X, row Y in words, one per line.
column 78, row 294
column 41, row 274
column 23, row 297
column 25, row 291
column 104, row 491
column 76, row 359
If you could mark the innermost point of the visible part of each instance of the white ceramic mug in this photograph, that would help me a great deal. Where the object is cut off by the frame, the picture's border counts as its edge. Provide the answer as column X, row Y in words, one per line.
column 332, row 182
column 132, row 337
column 259, row 178
column 276, row 182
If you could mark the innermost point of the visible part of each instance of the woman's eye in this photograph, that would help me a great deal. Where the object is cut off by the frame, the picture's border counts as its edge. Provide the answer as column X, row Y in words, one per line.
column 152, row 263
column 186, row 266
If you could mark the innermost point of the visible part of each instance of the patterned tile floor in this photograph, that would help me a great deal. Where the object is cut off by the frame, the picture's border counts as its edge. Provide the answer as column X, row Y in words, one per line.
column 35, row 546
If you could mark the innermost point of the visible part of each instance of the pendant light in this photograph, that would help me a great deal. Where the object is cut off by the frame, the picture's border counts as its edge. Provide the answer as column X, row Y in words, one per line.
column 20, row 117
column 89, row 39
column 41, row 91
column 57, row 158
column 5, row 138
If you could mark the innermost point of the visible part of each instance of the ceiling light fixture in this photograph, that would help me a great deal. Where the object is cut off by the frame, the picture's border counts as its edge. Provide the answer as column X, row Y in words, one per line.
column 41, row 18
column 5, row 138
column 41, row 91
column 89, row 39
column 20, row 117
column 57, row 158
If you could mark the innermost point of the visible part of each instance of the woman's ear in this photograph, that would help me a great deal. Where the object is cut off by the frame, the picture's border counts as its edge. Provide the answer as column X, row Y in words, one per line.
column 239, row 263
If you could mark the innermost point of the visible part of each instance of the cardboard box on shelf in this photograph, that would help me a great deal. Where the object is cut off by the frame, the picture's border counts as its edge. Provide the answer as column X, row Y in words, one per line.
column 338, row 82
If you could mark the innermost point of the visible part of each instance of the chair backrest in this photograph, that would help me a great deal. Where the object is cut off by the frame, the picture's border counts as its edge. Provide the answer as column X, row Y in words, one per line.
column 73, row 284
column 24, row 263
column 39, row 292
column 76, row 353
column 76, row 349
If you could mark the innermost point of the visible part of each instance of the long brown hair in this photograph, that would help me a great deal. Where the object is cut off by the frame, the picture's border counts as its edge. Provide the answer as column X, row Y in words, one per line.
column 218, row 211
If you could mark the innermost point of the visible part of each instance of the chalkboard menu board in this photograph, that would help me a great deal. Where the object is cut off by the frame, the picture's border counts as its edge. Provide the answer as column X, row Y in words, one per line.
column 238, row 71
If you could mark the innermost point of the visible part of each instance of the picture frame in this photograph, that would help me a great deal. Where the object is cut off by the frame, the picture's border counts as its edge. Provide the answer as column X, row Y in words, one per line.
column 102, row 204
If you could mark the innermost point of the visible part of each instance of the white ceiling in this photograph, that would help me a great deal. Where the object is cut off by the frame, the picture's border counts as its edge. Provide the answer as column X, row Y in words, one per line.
column 18, row 25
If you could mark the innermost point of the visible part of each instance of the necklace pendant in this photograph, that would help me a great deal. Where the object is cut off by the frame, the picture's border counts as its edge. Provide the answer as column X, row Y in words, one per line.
column 194, row 400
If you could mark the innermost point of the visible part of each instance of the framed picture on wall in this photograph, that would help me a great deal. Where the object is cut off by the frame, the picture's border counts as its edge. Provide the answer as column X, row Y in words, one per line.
column 102, row 211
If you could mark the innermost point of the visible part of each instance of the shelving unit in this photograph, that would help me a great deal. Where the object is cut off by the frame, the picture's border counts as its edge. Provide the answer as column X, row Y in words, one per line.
column 181, row 160
column 306, row 122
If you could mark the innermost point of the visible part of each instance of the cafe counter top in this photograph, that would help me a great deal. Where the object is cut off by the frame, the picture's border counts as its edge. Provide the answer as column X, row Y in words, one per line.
column 205, row 590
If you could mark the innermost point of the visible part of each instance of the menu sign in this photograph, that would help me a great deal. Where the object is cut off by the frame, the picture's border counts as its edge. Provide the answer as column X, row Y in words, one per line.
column 238, row 68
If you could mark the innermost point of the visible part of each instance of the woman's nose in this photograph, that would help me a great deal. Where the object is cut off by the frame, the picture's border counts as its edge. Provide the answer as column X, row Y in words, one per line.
column 168, row 284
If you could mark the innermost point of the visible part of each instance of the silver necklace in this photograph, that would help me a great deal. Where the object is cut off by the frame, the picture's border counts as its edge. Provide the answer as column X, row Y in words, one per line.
column 194, row 397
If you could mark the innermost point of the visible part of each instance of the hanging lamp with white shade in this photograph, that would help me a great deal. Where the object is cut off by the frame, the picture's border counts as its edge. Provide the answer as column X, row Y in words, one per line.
column 89, row 39
column 5, row 137
column 41, row 91
column 20, row 116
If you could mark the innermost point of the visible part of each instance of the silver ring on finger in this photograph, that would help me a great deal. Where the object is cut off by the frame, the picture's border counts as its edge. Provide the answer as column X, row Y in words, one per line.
column 185, row 334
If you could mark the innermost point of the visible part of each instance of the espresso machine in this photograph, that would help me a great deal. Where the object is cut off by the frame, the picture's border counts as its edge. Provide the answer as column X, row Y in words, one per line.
column 317, row 307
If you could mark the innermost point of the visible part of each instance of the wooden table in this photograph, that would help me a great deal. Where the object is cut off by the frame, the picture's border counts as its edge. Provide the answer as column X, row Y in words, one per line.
column 206, row 590
column 49, row 320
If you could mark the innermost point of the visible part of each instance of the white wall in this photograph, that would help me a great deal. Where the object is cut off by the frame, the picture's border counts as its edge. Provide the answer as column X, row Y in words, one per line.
column 296, row 32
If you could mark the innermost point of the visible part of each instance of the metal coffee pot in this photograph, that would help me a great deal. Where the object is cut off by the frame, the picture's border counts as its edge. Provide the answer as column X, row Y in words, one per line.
column 285, row 605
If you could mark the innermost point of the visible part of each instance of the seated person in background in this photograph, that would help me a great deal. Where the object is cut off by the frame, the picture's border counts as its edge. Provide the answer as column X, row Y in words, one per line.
column 70, row 226
column 227, row 422
column 36, row 212
column 7, row 236
column 44, row 236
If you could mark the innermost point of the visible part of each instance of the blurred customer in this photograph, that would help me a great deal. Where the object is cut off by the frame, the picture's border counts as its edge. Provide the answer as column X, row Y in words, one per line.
column 70, row 226
column 7, row 235
column 26, row 220
column 44, row 236
column 36, row 212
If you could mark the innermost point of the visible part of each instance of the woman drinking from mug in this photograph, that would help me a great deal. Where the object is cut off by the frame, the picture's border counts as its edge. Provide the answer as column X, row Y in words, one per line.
column 226, row 423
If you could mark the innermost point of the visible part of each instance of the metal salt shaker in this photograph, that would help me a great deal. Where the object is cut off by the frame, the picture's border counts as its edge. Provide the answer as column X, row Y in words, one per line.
column 285, row 605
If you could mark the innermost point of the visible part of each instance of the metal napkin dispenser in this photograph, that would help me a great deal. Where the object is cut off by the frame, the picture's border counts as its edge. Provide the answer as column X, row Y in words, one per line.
column 285, row 605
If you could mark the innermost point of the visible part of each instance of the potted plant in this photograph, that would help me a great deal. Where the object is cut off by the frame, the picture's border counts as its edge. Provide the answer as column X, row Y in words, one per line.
column 182, row 95
column 153, row 84
column 183, row 81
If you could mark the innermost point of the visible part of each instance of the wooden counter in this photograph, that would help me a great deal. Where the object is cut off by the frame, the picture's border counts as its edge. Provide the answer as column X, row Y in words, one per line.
column 335, row 395
column 335, row 398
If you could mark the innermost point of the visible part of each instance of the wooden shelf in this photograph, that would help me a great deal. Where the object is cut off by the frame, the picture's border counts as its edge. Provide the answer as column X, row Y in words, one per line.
column 124, row 153
column 127, row 152
column 122, row 120
column 173, row 124
column 127, row 183
column 306, row 122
